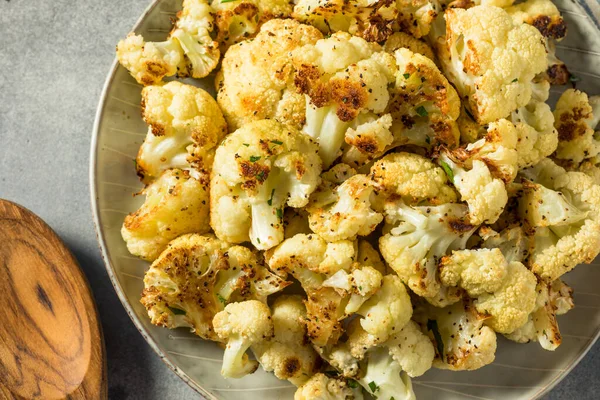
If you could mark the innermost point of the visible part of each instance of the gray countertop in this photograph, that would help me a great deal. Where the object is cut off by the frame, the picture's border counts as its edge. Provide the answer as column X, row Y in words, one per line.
column 54, row 57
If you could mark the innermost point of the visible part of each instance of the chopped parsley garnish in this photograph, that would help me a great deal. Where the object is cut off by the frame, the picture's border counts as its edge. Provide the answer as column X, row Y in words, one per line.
column 373, row 386
column 406, row 76
column 448, row 171
column 277, row 142
column 574, row 78
column 258, row 240
column 469, row 114
column 254, row 158
column 246, row 144
column 514, row 80
column 427, row 140
column 270, row 201
column 221, row 298
column 261, row 176
column 177, row 311
column 432, row 326
column 422, row 111
column 226, row 1
column 279, row 213
column 352, row 384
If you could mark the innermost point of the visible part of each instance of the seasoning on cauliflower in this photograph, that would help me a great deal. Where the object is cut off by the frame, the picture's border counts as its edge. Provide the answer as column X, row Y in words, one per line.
column 416, row 238
column 544, row 15
column 256, row 80
column 491, row 60
column 413, row 178
column 322, row 387
column 401, row 39
column 196, row 275
column 189, row 50
column 335, row 283
column 462, row 342
column 259, row 169
column 238, row 20
column 575, row 119
column 511, row 241
column 367, row 139
column 424, row 104
column 185, row 126
column 344, row 211
column 384, row 377
column 485, row 194
column 175, row 204
column 563, row 210
column 288, row 354
column 374, row 21
column 241, row 325
column 554, row 298
column 342, row 77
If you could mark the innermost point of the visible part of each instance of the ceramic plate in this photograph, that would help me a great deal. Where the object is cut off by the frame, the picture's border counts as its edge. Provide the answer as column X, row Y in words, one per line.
column 519, row 372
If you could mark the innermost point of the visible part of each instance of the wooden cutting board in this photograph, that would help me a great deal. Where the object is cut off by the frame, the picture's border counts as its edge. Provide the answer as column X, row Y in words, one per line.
column 51, row 344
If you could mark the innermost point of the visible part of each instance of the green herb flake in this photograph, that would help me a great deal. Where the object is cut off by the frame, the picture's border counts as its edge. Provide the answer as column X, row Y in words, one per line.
column 373, row 386
column 279, row 142
column 221, row 298
column 392, row 398
column 515, row 80
column 226, row 1
column 427, row 140
column 352, row 384
column 246, row 144
column 448, row 171
column 270, row 201
column 406, row 76
column 261, row 176
column 258, row 240
column 177, row 311
column 469, row 114
column 422, row 111
column 574, row 78
column 432, row 326
column 254, row 158
column 279, row 213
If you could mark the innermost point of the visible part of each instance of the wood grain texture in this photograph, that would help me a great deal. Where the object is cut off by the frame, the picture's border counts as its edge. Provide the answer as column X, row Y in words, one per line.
column 51, row 343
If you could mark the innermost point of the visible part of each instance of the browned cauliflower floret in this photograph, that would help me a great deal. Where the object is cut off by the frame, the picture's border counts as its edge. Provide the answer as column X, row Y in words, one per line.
column 175, row 204
column 575, row 118
column 490, row 59
column 413, row 178
column 238, row 20
column 256, row 80
column 189, row 50
column 196, row 276
column 322, row 387
column 185, row 126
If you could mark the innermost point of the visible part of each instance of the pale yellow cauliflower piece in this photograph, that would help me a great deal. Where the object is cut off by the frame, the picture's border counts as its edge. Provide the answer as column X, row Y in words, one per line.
column 491, row 60
column 258, row 170
column 176, row 203
column 256, row 80
column 402, row 39
column 185, row 127
column 321, row 387
column 575, row 119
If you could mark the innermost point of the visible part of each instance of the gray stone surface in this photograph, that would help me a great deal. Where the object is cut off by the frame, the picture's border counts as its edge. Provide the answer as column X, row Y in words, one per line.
column 54, row 57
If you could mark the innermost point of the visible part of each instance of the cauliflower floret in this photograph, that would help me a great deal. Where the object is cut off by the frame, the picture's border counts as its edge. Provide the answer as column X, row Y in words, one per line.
column 288, row 354
column 384, row 377
column 175, row 204
column 367, row 140
column 196, row 275
column 401, row 39
column 462, row 342
column 345, row 211
column 424, row 105
column 185, row 126
column 563, row 210
column 238, row 20
column 413, row 178
column 536, row 136
column 342, row 77
column 509, row 306
column 555, row 298
column 335, row 282
column 512, row 242
column 189, row 50
column 498, row 150
column 544, row 15
column 416, row 239
column 477, row 271
column 485, row 194
column 256, row 80
column 241, row 325
column 491, row 60
column 321, row 387
column 591, row 167
column 259, row 169
column 575, row 119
